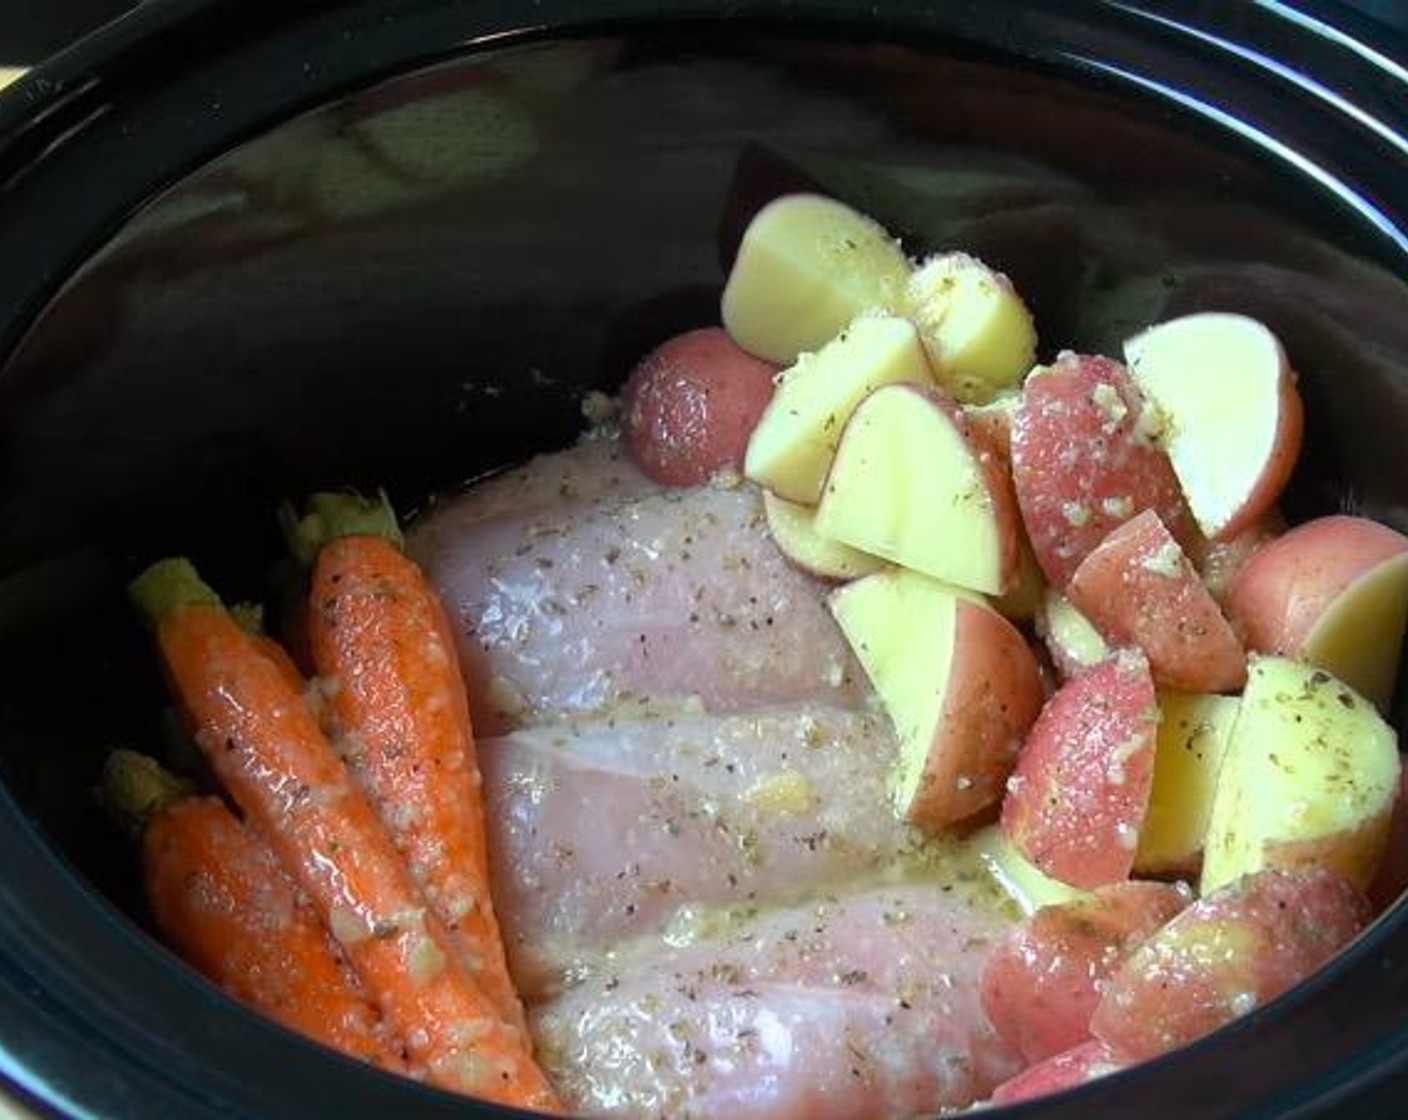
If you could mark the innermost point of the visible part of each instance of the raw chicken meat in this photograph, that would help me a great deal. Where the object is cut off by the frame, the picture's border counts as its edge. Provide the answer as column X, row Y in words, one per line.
column 577, row 585
column 710, row 906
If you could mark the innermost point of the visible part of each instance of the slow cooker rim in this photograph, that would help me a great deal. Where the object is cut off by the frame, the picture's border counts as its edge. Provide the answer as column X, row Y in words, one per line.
column 62, row 102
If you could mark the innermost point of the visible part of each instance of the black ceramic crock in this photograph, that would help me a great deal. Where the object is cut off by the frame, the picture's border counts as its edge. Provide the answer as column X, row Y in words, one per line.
column 246, row 249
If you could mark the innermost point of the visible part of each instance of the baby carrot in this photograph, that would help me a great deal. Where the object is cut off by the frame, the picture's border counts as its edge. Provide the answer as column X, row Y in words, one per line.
column 266, row 748
column 381, row 643
column 221, row 900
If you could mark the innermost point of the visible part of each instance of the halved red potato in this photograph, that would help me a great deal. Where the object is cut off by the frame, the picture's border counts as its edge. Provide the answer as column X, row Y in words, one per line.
column 1085, row 460
column 795, row 439
column 793, row 529
column 979, row 334
column 690, row 406
column 912, row 483
column 1074, row 644
column 1334, row 592
column 956, row 679
column 1222, row 560
column 1022, row 881
column 807, row 266
column 1066, row 1070
column 1194, row 730
column 1138, row 588
column 1076, row 801
column 1022, row 601
column 1232, row 417
column 1043, row 979
column 1225, row 956
column 1310, row 777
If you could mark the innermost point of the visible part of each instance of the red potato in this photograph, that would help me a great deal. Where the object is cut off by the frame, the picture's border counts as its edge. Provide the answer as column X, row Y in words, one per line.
column 1333, row 592
column 1232, row 417
column 1062, row 1071
column 1085, row 460
column 1077, row 798
column 994, row 420
column 958, row 681
column 690, row 405
column 1222, row 560
column 1043, row 980
column 1224, row 956
column 1138, row 588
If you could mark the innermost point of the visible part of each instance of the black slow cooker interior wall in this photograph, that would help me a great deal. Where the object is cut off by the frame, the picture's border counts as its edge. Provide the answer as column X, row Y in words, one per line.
column 420, row 281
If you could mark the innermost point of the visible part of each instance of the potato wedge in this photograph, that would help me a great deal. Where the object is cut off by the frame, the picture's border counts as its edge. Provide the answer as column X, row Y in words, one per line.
column 1232, row 417
column 1084, row 461
column 910, row 482
column 1076, row 802
column 795, row 439
column 1224, row 956
column 1138, row 588
column 1309, row 777
column 957, row 680
column 807, row 266
column 1021, row 880
column 978, row 333
column 1333, row 592
column 1074, row 644
column 1065, row 1070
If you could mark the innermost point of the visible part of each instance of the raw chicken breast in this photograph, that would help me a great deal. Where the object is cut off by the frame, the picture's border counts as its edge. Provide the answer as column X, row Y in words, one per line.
column 575, row 585
column 608, row 829
column 863, row 1005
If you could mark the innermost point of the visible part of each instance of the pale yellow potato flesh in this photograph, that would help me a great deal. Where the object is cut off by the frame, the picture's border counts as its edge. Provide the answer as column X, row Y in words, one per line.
column 807, row 266
column 907, row 485
column 978, row 332
column 1023, row 602
column 794, row 532
column 1074, row 642
column 1194, row 730
column 1309, row 776
column 791, row 448
column 1220, row 384
column 1023, row 882
column 1360, row 636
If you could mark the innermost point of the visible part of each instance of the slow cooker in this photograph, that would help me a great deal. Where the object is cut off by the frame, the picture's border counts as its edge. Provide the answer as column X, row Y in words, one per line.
column 251, row 249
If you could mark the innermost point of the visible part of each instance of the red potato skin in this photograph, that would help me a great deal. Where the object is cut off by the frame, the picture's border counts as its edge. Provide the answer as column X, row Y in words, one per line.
column 993, row 697
column 1077, row 798
column 690, row 406
column 1065, row 1070
column 1042, row 982
column 1228, row 953
column 1283, row 590
column 1138, row 588
column 1081, row 465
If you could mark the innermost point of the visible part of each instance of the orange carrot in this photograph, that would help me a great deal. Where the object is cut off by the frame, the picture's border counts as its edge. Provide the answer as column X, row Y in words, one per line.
column 397, row 705
column 266, row 748
column 221, row 900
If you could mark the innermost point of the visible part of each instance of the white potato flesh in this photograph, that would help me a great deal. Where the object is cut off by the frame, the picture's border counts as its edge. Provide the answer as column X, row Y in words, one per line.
column 1194, row 730
column 1309, row 777
column 1023, row 882
column 794, row 532
column 978, row 332
column 791, row 448
column 1231, row 417
column 807, row 266
column 906, row 484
